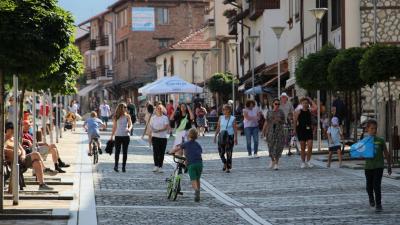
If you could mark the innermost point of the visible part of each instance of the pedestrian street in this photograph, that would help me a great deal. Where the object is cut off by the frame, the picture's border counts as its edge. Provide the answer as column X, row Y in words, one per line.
column 250, row 194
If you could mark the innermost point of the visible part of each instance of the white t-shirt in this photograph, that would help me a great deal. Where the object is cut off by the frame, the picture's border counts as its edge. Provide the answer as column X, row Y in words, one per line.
column 104, row 110
column 74, row 108
column 158, row 123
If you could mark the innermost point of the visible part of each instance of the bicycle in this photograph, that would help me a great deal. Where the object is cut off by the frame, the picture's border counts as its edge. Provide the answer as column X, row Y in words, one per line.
column 95, row 150
column 174, row 181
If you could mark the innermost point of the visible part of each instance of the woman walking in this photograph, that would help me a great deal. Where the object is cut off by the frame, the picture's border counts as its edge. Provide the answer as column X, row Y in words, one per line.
column 159, row 126
column 183, row 119
column 302, row 127
column 273, row 130
column 251, row 116
column 226, row 127
column 122, row 126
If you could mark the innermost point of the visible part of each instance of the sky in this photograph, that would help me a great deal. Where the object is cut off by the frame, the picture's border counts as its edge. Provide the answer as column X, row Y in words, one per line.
column 84, row 9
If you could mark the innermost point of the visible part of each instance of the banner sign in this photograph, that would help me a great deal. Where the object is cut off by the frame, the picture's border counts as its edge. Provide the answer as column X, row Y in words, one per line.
column 143, row 19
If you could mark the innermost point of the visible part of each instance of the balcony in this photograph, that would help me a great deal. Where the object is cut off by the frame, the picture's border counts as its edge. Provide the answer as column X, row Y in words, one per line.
column 232, row 29
column 104, row 73
column 92, row 44
column 90, row 75
column 102, row 43
column 257, row 7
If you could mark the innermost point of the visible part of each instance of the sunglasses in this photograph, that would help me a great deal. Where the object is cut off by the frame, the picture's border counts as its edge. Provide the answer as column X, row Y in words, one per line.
column 277, row 104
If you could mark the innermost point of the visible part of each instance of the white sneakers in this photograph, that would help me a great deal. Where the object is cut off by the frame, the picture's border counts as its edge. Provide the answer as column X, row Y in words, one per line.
column 306, row 165
column 158, row 170
column 276, row 167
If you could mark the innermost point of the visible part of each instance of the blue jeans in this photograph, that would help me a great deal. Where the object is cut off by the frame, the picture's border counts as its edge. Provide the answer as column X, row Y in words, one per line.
column 251, row 132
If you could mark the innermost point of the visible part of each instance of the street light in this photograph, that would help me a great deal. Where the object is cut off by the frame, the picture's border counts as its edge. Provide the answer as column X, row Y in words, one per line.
column 252, row 40
column 278, row 33
column 204, row 57
column 318, row 14
column 215, row 52
column 233, row 46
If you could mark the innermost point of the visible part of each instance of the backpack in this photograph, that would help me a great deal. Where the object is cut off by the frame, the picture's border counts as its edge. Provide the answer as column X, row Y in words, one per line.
column 223, row 136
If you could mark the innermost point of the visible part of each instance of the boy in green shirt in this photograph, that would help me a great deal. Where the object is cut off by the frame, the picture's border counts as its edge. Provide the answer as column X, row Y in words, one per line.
column 374, row 167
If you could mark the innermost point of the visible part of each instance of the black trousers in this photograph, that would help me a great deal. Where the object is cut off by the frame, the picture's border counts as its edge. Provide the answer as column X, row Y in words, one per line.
column 121, row 141
column 227, row 150
column 374, row 181
column 159, row 146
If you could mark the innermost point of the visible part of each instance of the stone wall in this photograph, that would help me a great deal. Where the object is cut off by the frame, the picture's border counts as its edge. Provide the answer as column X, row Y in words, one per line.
column 388, row 21
column 367, row 94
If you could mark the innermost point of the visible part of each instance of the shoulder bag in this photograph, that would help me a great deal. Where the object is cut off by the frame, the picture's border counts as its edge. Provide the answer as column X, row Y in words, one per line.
column 365, row 148
column 223, row 135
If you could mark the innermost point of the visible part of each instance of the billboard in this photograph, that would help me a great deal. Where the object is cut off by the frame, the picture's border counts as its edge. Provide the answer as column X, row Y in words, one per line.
column 143, row 19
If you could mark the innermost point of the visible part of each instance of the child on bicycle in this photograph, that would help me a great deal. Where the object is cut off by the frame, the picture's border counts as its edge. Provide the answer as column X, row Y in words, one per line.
column 192, row 151
column 334, row 139
column 92, row 126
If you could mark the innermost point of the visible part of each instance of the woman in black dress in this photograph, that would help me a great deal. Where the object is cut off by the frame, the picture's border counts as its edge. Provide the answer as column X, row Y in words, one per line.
column 302, row 126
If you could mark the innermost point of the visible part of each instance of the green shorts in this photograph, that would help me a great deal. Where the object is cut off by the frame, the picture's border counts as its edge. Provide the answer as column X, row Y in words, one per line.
column 195, row 170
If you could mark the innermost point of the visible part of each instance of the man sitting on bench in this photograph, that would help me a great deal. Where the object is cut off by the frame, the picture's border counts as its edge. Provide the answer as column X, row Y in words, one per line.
column 32, row 160
column 27, row 141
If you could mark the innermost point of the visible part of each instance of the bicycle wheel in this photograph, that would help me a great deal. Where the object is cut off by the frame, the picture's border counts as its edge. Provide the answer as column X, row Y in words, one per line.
column 170, row 185
column 177, row 188
column 95, row 154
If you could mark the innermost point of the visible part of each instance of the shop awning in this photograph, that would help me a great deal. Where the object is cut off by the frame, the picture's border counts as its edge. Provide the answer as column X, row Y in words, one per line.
column 85, row 91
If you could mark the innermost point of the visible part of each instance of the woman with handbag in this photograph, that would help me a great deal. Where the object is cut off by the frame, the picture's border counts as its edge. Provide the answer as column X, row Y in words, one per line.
column 183, row 118
column 122, row 126
column 274, row 132
column 227, row 137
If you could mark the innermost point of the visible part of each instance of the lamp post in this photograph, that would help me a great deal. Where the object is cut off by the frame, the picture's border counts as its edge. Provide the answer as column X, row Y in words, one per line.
column 233, row 46
column 252, row 40
column 278, row 33
column 375, row 2
column 318, row 14
column 215, row 52
column 204, row 57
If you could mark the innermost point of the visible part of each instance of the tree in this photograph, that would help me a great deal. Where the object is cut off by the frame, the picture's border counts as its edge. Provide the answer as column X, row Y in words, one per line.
column 344, row 72
column 32, row 35
column 344, row 75
column 312, row 72
column 221, row 83
column 380, row 63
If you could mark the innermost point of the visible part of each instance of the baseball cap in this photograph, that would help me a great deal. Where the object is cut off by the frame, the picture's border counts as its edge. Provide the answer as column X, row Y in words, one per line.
column 335, row 121
column 284, row 95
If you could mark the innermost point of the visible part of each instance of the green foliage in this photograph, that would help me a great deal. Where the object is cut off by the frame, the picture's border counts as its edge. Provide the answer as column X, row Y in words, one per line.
column 32, row 35
column 312, row 72
column 344, row 72
column 221, row 83
column 380, row 63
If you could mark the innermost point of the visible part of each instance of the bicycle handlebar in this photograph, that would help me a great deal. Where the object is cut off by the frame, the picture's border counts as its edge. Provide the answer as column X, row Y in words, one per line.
column 177, row 157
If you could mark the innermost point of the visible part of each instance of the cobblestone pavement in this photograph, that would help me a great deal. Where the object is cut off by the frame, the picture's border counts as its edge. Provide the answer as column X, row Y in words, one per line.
column 250, row 194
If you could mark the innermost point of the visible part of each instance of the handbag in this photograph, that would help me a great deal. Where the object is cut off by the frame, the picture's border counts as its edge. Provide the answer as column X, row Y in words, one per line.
column 365, row 148
column 223, row 136
column 109, row 146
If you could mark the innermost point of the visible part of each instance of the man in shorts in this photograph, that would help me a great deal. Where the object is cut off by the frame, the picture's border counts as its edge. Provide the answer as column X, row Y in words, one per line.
column 92, row 125
column 105, row 113
column 32, row 160
column 43, row 148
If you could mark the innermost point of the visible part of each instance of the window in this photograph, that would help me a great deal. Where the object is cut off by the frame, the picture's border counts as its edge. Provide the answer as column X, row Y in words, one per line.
column 122, row 51
column 165, row 67
column 172, row 65
column 162, row 16
column 297, row 9
column 122, row 18
column 336, row 14
column 163, row 43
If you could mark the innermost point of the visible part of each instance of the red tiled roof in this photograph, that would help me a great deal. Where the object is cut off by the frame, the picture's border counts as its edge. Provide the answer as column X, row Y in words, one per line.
column 194, row 41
